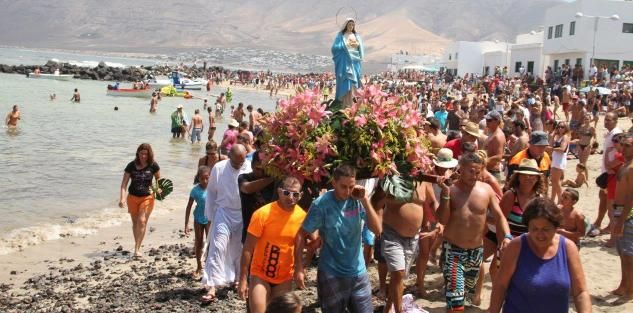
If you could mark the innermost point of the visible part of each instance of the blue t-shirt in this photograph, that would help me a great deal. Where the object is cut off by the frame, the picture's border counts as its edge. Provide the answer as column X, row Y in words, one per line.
column 441, row 117
column 199, row 194
column 340, row 224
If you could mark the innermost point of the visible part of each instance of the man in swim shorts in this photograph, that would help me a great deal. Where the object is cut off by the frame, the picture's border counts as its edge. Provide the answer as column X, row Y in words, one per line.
column 12, row 117
column 623, row 229
column 463, row 209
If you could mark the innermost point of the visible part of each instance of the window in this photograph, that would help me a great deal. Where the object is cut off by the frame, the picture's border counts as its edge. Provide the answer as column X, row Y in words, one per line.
column 566, row 61
column 456, row 54
column 572, row 28
column 627, row 28
column 549, row 32
column 579, row 61
column 449, row 56
column 517, row 67
column 530, row 67
column 555, row 65
column 559, row 31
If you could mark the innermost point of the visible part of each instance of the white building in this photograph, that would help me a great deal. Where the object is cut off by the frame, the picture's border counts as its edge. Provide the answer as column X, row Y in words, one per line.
column 569, row 36
column 401, row 61
column 482, row 57
column 527, row 54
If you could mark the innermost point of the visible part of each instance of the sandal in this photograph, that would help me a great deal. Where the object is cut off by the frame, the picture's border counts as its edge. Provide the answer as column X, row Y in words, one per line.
column 207, row 298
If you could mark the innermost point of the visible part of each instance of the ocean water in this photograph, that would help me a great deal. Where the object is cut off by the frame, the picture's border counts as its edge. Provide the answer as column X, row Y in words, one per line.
column 17, row 56
column 62, row 169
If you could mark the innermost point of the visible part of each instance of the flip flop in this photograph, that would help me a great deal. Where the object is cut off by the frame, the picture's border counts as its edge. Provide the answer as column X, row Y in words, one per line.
column 207, row 298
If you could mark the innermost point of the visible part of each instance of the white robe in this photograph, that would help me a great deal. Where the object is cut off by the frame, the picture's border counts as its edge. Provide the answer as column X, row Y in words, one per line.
column 223, row 209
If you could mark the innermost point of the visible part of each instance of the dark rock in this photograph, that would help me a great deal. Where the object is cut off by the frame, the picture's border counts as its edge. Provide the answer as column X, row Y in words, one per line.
column 13, row 273
column 119, row 248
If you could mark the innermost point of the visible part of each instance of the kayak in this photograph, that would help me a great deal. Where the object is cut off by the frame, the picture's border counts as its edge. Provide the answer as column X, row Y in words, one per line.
column 138, row 93
column 50, row 76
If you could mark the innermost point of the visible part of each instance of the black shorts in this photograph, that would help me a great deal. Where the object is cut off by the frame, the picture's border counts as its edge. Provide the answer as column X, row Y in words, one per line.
column 176, row 130
column 378, row 250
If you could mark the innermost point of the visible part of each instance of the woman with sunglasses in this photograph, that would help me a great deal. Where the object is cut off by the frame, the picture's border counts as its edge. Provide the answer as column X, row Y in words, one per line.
column 211, row 157
column 559, row 149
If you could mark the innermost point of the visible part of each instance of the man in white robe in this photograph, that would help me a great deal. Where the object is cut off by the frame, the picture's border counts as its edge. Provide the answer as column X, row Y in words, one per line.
column 223, row 209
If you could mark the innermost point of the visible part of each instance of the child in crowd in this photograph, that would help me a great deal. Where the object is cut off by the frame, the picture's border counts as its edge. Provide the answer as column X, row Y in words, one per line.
column 582, row 175
column 573, row 226
column 286, row 303
column 200, row 222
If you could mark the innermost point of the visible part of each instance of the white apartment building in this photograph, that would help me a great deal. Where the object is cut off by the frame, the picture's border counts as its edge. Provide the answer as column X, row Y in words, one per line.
column 527, row 54
column 481, row 57
column 568, row 36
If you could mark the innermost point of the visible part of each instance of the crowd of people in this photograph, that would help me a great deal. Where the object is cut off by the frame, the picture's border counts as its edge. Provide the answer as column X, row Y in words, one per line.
column 500, row 145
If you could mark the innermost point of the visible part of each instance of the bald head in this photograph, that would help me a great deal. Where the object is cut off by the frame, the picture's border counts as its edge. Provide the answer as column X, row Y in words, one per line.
column 610, row 121
column 237, row 155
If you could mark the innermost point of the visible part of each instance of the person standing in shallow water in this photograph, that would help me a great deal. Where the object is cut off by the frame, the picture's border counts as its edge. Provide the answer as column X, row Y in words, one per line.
column 140, row 200
column 11, row 121
column 347, row 53
column 76, row 96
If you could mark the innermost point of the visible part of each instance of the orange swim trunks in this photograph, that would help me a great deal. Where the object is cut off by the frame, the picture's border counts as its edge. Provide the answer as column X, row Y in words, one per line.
column 136, row 204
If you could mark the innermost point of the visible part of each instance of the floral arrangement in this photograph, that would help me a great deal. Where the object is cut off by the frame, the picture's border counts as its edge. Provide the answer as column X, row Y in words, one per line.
column 380, row 134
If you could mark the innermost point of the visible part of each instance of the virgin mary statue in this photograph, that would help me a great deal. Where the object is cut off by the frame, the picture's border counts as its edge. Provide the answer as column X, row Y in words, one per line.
column 347, row 53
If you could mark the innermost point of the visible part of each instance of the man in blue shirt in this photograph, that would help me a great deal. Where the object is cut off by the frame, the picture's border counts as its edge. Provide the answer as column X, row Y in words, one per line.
column 338, row 215
column 441, row 115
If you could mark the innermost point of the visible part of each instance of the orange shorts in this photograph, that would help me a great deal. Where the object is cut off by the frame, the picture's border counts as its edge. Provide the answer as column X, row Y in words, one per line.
column 135, row 204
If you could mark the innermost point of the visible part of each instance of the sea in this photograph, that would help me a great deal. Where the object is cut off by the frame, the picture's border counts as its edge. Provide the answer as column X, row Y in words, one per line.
column 62, row 169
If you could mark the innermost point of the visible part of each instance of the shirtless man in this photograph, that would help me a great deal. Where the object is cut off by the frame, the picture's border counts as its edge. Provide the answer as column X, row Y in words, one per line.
column 519, row 139
column 463, row 209
column 437, row 138
column 153, row 104
column 76, row 96
column 623, row 229
column 238, row 113
column 401, row 223
column 12, row 118
column 253, row 120
column 196, row 126
column 494, row 144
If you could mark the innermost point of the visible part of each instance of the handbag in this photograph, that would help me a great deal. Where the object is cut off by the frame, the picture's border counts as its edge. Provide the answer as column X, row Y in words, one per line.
column 602, row 180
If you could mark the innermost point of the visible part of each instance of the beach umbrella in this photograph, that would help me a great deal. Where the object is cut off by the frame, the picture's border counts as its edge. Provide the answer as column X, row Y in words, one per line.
column 601, row 90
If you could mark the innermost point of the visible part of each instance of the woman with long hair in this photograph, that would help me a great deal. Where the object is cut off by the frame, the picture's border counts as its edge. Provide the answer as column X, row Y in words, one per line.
column 140, row 199
column 559, row 149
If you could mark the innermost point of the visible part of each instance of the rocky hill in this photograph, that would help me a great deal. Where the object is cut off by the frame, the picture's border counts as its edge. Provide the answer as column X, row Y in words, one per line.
column 418, row 26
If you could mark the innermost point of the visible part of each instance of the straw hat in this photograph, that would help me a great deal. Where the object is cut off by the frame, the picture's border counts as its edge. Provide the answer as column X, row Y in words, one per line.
column 528, row 167
column 179, row 106
column 234, row 123
column 472, row 128
column 444, row 159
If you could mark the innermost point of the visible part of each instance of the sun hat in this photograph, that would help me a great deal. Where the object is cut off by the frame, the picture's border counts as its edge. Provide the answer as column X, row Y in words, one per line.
column 528, row 167
column 234, row 123
column 472, row 128
column 444, row 158
column 179, row 106
column 539, row 138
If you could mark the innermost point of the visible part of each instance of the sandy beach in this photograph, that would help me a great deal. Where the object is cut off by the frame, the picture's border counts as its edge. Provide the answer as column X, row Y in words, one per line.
column 96, row 274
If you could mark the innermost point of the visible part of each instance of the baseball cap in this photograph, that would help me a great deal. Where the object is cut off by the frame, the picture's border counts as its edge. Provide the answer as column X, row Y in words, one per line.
column 539, row 138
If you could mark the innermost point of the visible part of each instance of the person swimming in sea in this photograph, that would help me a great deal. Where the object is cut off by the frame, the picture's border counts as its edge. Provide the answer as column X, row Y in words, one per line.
column 11, row 121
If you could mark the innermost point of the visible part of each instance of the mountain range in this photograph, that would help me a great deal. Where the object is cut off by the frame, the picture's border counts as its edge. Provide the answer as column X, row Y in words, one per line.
column 169, row 26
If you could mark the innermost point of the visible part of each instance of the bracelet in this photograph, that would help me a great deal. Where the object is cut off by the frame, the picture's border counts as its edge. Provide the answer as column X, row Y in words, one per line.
column 508, row 236
column 446, row 197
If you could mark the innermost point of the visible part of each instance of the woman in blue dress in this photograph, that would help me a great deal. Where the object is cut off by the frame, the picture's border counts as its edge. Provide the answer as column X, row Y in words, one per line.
column 347, row 53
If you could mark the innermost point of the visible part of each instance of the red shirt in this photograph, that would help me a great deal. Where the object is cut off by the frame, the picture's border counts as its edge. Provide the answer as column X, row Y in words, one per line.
column 456, row 146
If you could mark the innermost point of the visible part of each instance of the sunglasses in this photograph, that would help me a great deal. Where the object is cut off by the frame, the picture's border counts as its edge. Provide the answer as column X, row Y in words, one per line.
column 294, row 194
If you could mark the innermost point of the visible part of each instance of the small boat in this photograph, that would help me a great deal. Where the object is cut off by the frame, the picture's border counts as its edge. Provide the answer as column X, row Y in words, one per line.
column 159, row 83
column 55, row 76
column 181, row 82
column 123, row 92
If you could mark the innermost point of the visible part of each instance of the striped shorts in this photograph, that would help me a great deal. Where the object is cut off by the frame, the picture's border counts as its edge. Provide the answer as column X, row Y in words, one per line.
column 460, row 269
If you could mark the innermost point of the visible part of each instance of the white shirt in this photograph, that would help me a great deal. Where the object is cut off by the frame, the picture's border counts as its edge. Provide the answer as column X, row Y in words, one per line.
column 609, row 150
column 222, row 190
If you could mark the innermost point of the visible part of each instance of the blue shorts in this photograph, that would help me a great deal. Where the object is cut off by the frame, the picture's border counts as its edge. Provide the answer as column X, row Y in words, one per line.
column 195, row 134
column 338, row 294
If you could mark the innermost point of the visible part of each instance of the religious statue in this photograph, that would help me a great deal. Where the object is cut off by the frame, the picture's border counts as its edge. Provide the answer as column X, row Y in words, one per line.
column 347, row 53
